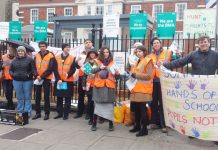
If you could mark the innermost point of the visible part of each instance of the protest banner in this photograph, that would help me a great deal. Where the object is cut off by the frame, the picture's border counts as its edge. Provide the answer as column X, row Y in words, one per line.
column 199, row 22
column 138, row 25
column 119, row 59
column 4, row 28
column 40, row 30
column 166, row 25
column 191, row 104
column 15, row 32
column 111, row 25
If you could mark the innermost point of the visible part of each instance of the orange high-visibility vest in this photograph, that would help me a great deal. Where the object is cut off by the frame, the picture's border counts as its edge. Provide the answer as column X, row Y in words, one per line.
column 109, row 82
column 165, row 55
column 81, row 72
column 43, row 64
column 64, row 67
column 91, row 80
column 143, row 86
column 6, row 74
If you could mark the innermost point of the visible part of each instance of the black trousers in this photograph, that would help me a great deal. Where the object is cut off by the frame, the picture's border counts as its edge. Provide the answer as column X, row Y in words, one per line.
column 140, row 111
column 8, row 90
column 157, row 106
column 81, row 105
column 90, row 108
column 46, row 87
column 66, row 109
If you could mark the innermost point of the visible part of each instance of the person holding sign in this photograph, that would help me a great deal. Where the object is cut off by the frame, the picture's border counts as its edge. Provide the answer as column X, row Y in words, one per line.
column 81, row 92
column 104, row 88
column 45, row 62
column 142, row 91
column 158, row 54
column 204, row 60
column 88, row 81
column 63, row 89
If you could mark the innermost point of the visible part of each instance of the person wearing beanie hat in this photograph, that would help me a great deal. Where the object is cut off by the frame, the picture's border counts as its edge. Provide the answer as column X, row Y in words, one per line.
column 22, row 71
column 21, row 48
column 88, row 83
column 63, row 89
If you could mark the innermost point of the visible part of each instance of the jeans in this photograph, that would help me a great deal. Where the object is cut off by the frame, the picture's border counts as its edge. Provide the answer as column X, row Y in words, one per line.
column 24, row 95
column 46, row 87
column 8, row 89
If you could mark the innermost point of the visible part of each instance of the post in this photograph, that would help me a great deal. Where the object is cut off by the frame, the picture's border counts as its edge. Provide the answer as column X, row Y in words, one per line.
column 100, row 36
column 216, row 42
column 93, row 34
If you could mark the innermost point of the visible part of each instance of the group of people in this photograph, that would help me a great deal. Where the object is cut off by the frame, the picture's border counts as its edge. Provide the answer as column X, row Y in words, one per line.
column 99, row 86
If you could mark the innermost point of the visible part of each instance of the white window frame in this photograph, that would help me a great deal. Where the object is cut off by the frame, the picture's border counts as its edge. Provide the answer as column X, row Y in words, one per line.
column 96, row 12
column 64, row 37
column 48, row 15
column 89, row 7
column 176, row 10
column 69, row 8
column 31, row 15
column 111, row 11
column 153, row 10
column 140, row 6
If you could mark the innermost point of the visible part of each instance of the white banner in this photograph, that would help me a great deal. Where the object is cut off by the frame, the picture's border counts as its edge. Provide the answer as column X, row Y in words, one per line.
column 191, row 104
column 111, row 25
column 199, row 22
column 4, row 28
column 119, row 59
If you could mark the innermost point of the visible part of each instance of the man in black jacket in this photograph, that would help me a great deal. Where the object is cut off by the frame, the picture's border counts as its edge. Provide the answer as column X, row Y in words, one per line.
column 204, row 60
column 45, row 63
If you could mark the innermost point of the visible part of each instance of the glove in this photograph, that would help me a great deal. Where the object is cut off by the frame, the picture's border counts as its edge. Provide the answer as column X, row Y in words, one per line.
column 133, row 75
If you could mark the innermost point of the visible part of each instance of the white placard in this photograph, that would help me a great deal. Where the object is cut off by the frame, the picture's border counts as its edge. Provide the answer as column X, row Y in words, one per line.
column 111, row 25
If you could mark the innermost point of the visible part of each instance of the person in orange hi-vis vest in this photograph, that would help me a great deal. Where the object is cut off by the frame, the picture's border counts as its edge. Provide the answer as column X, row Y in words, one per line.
column 80, row 109
column 45, row 62
column 143, row 72
column 164, row 55
column 63, row 88
column 7, row 79
column 104, row 87
column 88, row 83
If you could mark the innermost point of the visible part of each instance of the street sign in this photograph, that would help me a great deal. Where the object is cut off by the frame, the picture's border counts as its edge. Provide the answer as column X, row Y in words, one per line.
column 166, row 25
column 15, row 30
column 138, row 25
column 199, row 22
column 40, row 30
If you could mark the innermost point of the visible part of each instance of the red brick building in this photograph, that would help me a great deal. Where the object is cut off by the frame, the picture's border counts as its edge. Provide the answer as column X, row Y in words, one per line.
column 153, row 7
column 32, row 10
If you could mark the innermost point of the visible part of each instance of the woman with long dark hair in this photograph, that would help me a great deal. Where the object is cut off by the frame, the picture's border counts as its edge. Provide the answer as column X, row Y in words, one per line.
column 104, row 87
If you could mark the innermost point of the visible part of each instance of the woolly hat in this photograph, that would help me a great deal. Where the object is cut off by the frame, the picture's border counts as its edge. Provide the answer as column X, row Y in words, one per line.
column 21, row 48
column 93, row 50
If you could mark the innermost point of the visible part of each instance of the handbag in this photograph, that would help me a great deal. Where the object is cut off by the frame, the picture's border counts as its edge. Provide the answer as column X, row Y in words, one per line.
column 118, row 113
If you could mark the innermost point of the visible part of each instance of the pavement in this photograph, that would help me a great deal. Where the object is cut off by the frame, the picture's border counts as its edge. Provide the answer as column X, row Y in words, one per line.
column 75, row 134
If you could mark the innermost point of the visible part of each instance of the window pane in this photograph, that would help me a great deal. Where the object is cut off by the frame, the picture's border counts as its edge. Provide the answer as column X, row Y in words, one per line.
column 34, row 15
column 68, row 11
column 135, row 8
column 180, row 10
column 89, row 12
column 157, row 9
column 99, row 10
column 50, row 14
column 110, row 9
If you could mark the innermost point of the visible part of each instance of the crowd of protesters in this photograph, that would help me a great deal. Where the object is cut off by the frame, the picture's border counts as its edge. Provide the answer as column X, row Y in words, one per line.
column 19, row 71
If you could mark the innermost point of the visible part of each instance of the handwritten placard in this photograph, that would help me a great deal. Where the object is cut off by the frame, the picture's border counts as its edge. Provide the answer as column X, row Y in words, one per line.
column 191, row 104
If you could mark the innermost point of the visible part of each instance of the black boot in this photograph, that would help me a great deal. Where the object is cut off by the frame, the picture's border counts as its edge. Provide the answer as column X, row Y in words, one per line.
column 111, row 126
column 142, row 132
column 94, row 128
column 136, row 128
